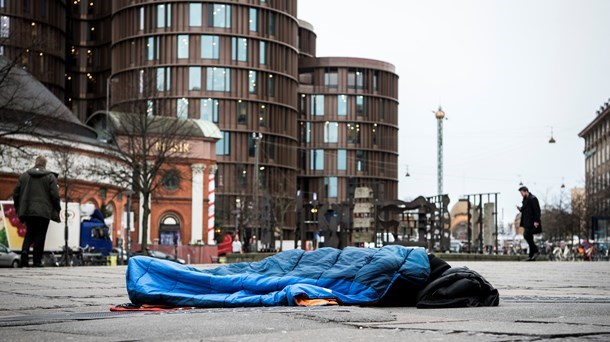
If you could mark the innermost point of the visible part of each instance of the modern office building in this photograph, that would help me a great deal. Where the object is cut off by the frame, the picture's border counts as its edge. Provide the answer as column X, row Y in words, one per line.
column 289, row 120
column 597, row 171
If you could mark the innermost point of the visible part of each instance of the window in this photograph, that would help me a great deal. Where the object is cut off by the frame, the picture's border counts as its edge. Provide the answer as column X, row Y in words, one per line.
column 360, row 105
column 218, row 79
column 308, row 132
column 355, row 79
column 251, row 146
column 219, row 15
column 342, row 105
column 242, row 112
column 242, row 176
column 26, row 6
column 302, row 160
column 262, row 116
column 271, row 86
column 194, row 78
column 353, row 133
column 141, row 82
column 375, row 80
column 330, row 186
column 316, row 161
column 223, row 146
column 183, row 46
column 317, row 104
column 331, row 132
column 252, row 82
column 341, row 160
column 270, row 148
column 182, row 108
column 141, row 17
column 150, row 108
column 5, row 26
column 44, row 8
column 374, row 134
column 262, row 177
column 239, row 49
column 253, row 20
column 209, row 110
column 209, row 47
column 171, row 180
column 164, row 15
column 152, row 48
column 272, row 23
column 360, row 160
column 330, row 78
column 262, row 59
column 163, row 79
column 303, row 104
column 195, row 14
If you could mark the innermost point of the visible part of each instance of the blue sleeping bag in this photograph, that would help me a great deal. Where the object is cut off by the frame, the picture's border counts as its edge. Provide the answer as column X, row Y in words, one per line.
column 350, row 276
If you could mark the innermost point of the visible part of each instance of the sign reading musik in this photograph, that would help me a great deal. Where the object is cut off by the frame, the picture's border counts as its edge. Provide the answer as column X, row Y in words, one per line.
column 176, row 148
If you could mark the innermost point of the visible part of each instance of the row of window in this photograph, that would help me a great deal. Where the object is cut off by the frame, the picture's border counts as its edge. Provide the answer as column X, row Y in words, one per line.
column 330, row 182
column 331, row 132
column 209, row 109
column 216, row 15
column 216, row 79
column 210, row 48
column 317, row 105
column 356, row 78
column 316, row 160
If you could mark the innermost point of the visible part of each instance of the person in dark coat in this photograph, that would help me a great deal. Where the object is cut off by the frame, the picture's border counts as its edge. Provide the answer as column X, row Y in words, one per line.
column 530, row 220
column 36, row 198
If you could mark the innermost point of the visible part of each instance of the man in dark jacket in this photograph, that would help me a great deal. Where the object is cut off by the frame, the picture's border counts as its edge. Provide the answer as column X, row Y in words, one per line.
column 530, row 220
column 36, row 197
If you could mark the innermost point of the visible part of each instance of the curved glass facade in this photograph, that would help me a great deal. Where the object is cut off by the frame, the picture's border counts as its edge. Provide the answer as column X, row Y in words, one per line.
column 232, row 63
column 348, row 119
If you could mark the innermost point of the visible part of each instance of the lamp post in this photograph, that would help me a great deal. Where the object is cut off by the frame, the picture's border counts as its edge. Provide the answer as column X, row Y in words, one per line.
column 108, row 80
column 257, row 136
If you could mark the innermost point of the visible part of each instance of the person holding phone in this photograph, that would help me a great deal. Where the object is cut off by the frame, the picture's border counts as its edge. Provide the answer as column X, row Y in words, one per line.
column 530, row 220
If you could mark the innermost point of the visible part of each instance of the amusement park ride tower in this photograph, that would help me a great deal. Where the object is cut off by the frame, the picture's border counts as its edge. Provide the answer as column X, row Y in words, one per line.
column 440, row 116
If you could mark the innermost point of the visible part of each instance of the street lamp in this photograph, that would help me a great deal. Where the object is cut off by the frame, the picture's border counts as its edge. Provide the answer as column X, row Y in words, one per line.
column 257, row 136
column 552, row 140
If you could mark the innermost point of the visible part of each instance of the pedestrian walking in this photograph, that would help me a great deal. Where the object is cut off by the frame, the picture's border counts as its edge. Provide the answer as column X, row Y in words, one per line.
column 36, row 198
column 530, row 220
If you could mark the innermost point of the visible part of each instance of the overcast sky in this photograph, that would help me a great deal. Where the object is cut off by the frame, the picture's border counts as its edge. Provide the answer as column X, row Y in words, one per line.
column 505, row 72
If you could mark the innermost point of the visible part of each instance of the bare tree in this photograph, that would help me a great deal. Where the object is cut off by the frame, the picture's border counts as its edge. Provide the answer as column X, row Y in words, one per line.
column 283, row 203
column 66, row 159
column 562, row 218
column 145, row 145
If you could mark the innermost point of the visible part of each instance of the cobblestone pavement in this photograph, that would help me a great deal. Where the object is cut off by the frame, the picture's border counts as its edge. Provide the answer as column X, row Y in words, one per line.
column 539, row 301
